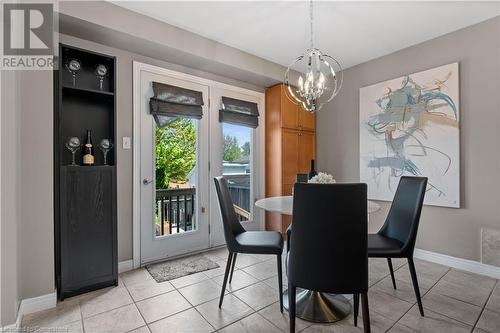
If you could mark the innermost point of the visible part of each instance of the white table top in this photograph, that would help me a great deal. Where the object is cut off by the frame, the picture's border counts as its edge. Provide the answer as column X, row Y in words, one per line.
column 284, row 205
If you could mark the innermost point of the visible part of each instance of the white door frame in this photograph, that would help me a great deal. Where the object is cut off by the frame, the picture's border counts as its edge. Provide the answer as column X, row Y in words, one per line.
column 136, row 135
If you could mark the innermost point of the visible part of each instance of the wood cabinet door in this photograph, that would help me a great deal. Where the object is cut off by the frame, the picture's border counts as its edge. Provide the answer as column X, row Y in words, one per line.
column 88, row 228
column 286, row 220
column 287, row 188
column 306, row 119
column 306, row 150
column 289, row 111
column 290, row 155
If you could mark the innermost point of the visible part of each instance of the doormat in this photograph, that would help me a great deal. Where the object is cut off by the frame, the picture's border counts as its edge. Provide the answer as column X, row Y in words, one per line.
column 173, row 269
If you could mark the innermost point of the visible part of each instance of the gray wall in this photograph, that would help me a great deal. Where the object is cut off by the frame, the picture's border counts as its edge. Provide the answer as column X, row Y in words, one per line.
column 10, row 147
column 454, row 232
column 27, row 253
column 36, row 205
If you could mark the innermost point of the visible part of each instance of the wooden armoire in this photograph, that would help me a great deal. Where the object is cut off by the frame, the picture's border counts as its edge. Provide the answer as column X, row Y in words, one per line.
column 290, row 147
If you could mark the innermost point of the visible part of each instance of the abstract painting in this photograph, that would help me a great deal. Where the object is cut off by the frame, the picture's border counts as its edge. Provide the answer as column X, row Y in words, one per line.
column 409, row 126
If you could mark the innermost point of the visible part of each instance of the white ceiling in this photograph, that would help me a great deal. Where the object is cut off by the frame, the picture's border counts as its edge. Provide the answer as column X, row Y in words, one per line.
column 352, row 32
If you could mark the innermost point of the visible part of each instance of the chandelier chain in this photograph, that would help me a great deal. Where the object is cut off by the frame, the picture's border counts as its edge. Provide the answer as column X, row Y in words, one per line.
column 311, row 21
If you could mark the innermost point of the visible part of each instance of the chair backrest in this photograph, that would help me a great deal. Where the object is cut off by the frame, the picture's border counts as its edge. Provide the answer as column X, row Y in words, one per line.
column 328, row 250
column 301, row 178
column 404, row 215
column 232, row 226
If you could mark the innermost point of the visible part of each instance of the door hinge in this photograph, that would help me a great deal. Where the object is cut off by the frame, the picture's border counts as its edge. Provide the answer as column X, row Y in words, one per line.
column 208, row 166
column 209, row 229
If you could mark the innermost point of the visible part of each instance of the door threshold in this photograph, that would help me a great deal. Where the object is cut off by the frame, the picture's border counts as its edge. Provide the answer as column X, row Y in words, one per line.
column 182, row 255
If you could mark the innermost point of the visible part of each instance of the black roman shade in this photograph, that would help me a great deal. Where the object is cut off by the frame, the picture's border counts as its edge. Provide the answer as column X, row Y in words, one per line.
column 170, row 102
column 238, row 112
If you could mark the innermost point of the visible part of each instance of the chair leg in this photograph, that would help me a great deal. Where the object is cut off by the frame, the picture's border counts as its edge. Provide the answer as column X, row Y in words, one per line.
column 291, row 306
column 280, row 282
column 366, row 313
column 414, row 280
column 232, row 268
column 389, row 261
column 228, row 267
column 356, row 308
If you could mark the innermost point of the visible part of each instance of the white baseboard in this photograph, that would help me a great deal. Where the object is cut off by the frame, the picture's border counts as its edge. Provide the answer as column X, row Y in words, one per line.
column 459, row 263
column 48, row 301
column 125, row 266
column 13, row 327
column 30, row 305
column 39, row 303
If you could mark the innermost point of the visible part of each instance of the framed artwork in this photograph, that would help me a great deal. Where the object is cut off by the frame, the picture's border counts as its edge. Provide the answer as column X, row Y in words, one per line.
column 409, row 126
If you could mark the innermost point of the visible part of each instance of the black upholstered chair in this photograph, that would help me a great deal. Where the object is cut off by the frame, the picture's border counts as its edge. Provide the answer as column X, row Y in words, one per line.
column 396, row 238
column 328, row 246
column 301, row 178
column 240, row 241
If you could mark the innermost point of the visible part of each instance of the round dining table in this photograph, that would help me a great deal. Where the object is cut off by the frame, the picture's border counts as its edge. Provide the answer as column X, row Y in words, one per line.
column 312, row 305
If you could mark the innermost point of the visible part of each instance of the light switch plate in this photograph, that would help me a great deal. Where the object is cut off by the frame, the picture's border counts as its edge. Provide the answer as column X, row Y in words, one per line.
column 126, row 142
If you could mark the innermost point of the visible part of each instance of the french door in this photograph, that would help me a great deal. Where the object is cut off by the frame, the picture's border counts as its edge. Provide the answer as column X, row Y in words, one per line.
column 174, row 178
column 239, row 167
column 179, row 211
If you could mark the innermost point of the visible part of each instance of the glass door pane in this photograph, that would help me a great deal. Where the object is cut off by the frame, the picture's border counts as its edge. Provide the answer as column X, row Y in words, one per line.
column 237, row 167
column 175, row 177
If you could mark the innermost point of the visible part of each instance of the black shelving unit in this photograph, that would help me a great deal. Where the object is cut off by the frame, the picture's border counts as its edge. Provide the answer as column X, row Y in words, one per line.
column 85, row 196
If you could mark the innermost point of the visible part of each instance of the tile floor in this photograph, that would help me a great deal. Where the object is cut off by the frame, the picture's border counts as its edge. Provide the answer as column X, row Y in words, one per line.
column 454, row 301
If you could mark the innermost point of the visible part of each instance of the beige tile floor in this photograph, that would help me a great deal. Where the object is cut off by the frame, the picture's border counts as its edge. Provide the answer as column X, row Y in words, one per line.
column 454, row 301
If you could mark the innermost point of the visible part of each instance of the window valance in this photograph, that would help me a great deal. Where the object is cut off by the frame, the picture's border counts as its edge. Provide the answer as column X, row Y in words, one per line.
column 238, row 112
column 170, row 102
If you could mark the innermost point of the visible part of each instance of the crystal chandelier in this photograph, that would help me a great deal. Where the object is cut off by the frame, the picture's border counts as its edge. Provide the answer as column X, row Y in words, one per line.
column 319, row 76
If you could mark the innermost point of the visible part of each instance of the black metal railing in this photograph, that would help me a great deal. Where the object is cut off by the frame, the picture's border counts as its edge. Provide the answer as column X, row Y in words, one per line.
column 175, row 210
column 239, row 189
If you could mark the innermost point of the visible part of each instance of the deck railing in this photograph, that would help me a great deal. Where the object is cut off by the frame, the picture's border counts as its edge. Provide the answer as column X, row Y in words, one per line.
column 175, row 207
column 239, row 188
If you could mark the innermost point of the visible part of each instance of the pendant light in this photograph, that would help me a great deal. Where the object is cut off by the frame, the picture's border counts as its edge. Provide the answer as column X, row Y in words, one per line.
column 319, row 76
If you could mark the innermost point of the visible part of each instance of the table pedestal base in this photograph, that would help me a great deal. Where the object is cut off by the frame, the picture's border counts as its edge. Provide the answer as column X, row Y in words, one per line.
column 319, row 307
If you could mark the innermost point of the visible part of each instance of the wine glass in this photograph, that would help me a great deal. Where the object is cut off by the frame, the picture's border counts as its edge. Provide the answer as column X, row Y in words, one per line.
column 74, row 66
column 101, row 71
column 105, row 146
column 73, row 144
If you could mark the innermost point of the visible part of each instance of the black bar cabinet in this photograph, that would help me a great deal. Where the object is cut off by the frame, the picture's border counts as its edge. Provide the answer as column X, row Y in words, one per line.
column 85, row 196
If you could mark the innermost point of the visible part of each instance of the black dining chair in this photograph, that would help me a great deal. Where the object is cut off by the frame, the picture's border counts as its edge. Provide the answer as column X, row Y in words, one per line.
column 328, row 246
column 301, row 178
column 396, row 238
column 238, row 240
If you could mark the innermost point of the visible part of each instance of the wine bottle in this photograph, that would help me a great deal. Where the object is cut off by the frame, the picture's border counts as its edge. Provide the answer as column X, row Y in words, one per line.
column 312, row 172
column 88, row 156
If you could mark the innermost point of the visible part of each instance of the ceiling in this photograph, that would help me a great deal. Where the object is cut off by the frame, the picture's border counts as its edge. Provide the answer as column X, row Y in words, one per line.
column 352, row 32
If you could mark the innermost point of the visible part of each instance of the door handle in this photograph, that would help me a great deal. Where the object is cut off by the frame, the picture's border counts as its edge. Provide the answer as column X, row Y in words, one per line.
column 147, row 181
